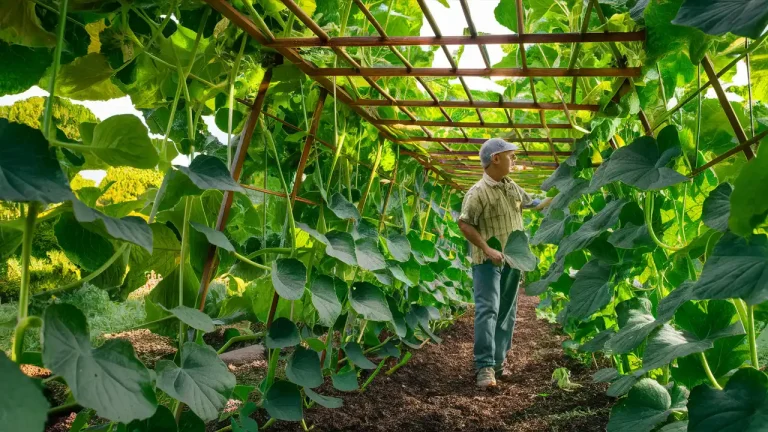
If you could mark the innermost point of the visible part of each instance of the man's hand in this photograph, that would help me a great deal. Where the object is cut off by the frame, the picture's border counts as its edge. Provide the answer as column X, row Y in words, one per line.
column 544, row 204
column 495, row 256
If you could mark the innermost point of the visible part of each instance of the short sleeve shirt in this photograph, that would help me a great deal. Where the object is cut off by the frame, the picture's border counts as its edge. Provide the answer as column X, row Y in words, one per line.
column 494, row 208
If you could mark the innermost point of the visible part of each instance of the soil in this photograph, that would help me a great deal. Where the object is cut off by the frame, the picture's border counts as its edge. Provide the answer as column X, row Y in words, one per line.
column 435, row 390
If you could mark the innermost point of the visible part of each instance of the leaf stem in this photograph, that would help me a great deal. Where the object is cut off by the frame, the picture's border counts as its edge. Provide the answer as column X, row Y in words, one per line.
column 247, row 261
column 55, row 69
column 402, row 363
column 18, row 335
column 231, row 96
column 649, row 223
column 373, row 375
column 275, row 250
column 752, row 337
column 155, row 33
column 288, row 204
column 26, row 256
column 708, row 371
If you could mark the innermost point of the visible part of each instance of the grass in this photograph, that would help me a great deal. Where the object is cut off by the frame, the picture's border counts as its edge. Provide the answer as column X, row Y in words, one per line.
column 103, row 314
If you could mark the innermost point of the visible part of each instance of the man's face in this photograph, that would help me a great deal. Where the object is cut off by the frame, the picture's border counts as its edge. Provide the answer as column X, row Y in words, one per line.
column 505, row 161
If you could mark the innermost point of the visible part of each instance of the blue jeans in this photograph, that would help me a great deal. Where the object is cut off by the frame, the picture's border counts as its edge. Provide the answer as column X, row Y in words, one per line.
column 495, row 292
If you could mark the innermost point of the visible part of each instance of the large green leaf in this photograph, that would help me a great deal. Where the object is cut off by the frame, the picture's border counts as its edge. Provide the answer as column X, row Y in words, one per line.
column 20, row 25
column 304, row 368
column 122, row 140
column 325, row 300
column 606, row 218
column 86, row 78
column 667, row 344
column 324, row 401
column 518, row 254
column 642, row 164
column 368, row 300
column 282, row 334
column 749, row 205
column 165, row 249
column 203, row 381
column 738, row 268
column 355, row 354
column 342, row 247
column 727, row 354
column 570, row 190
column 647, row 405
column 10, row 240
column 368, row 255
column 192, row 317
column 22, row 405
column 83, row 247
column 162, row 420
column 166, row 293
column 132, row 229
column 342, row 208
column 399, row 247
column 109, row 379
column 591, row 291
column 289, row 276
column 741, row 17
column 741, row 406
column 636, row 322
column 283, row 401
column 717, row 207
column 215, row 237
column 631, row 236
column 208, row 172
column 345, row 381
column 29, row 171
column 552, row 228
column 313, row 233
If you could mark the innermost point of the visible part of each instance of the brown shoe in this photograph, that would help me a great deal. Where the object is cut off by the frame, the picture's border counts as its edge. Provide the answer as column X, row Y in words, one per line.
column 486, row 378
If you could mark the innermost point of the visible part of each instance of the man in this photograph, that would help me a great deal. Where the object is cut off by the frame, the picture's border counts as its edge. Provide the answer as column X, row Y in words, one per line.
column 493, row 208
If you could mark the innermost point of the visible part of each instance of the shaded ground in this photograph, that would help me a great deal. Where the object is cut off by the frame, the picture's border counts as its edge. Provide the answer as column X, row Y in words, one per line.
column 435, row 391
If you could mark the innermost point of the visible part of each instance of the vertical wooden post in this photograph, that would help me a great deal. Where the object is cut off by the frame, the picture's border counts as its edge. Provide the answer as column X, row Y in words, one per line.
column 364, row 198
column 236, row 169
column 726, row 105
column 308, row 143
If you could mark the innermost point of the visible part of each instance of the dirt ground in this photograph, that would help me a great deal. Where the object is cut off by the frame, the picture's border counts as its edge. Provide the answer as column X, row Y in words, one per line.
column 435, row 390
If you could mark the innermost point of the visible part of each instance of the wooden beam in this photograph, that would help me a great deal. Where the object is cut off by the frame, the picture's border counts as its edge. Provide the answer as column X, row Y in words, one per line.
column 506, row 39
column 474, row 153
column 482, row 140
column 472, row 124
column 308, row 144
column 754, row 141
column 726, row 105
column 524, row 105
column 630, row 72
column 236, row 170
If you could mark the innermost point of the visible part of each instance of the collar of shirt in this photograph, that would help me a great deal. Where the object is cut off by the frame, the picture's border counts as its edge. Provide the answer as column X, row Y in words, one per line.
column 502, row 184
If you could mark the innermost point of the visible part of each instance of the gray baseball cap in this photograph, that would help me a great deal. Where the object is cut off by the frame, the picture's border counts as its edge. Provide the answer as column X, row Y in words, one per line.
column 492, row 147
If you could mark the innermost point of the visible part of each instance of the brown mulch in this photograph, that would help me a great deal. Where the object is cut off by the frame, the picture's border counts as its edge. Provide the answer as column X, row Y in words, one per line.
column 150, row 347
column 435, row 390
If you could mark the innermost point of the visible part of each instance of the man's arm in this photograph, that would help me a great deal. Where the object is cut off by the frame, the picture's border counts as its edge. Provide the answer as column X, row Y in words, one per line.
column 474, row 237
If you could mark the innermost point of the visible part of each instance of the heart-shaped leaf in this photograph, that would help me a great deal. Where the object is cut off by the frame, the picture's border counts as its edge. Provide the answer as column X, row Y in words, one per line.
column 606, row 218
column 325, row 300
column 636, row 323
column 642, row 164
column 85, row 248
column 740, row 406
column 552, row 228
column 289, row 276
column 29, row 170
column 203, row 381
column 741, row 17
column 717, row 207
column 399, row 247
column 324, row 401
column 518, row 254
column 22, row 404
column 282, row 334
column 368, row 255
column 109, row 379
column 355, row 354
column 749, row 205
column 122, row 140
column 215, row 237
column 313, row 233
column 342, row 208
column 209, row 172
column 304, row 368
column 132, row 229
column 193, row 318
column 283, row 401
column 368, row 300
column 591, row 291
column 342, row 247
column 345, row 381
column 647, row 405
column 162, row 420
column 631, row 236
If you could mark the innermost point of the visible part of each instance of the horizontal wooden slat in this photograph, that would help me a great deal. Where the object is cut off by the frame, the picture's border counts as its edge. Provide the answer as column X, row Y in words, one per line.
column 524, row 105
column 372, row 41
column 494, row 72
column 482, row 140
column 487, row 125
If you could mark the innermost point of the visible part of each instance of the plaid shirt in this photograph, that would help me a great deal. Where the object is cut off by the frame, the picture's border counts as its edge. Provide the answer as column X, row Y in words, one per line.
column 495, row 210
